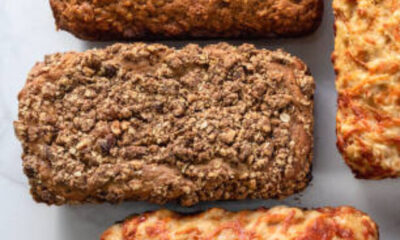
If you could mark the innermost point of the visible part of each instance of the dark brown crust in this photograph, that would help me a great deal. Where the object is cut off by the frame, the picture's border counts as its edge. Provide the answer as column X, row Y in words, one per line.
column 166, row 19
column 148, row 122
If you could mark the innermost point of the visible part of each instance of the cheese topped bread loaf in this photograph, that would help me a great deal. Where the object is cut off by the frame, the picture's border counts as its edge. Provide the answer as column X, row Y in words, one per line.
column 278, row 223
column 367, row 63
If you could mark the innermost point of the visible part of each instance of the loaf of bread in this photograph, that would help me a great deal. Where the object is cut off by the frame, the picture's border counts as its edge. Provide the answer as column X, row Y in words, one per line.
column 278, row 223
column 367, row 63
column 148, row 122
column 154, row 19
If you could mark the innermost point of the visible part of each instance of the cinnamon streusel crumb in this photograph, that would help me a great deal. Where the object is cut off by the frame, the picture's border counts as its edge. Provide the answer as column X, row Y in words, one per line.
column 148, row 122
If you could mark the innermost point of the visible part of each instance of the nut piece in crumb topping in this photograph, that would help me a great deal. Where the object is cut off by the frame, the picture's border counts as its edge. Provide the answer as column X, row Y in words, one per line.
column 148, row 122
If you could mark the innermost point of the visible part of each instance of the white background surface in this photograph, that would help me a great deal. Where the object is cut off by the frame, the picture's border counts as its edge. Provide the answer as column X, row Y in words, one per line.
column 27, row 33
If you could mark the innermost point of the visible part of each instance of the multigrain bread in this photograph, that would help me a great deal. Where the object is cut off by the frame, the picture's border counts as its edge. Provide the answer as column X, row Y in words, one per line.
column 148, row 122
column 154, row 19
column 367, row 63
column 278, row 223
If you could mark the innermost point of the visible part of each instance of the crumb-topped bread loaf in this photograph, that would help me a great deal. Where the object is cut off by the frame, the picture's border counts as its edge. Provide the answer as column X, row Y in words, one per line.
column 133, row 19
column 278, row 223
column 367, row 63
column 149, row 122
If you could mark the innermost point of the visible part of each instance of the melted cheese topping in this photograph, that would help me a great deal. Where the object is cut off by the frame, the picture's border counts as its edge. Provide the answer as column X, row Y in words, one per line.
column 279, row 223
column 367, row 62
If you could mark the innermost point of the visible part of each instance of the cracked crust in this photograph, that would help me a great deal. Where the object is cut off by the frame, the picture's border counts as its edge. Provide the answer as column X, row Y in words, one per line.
column 155, row 19
column 148, row 122
column 277, row 223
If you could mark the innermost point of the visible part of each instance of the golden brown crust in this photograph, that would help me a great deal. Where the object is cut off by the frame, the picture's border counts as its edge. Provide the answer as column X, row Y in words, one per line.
column 133, row 19
column 278, row 223
column 367, row 64
column 148, row 122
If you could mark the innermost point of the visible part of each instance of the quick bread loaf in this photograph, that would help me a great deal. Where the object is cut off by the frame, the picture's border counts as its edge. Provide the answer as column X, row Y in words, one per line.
column 278, row 223
column 367, row 63
column 149, row 122
column 155, row 19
